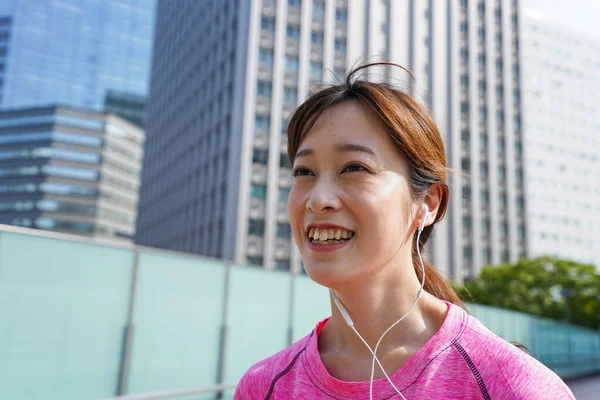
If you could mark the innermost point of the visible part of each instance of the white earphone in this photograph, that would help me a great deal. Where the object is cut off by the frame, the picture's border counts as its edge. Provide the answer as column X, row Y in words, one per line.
column 350, row 323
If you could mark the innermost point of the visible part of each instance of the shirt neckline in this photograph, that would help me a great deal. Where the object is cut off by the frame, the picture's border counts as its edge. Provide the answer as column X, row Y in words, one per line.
column 404, row 377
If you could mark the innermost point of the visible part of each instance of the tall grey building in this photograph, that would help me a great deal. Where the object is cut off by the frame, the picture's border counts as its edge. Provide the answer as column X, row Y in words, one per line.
column 561, row 92
column 226, row 77
column 70, row 170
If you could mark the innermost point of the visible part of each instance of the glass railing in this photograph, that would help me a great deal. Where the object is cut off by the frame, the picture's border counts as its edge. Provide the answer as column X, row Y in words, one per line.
column 86, row 320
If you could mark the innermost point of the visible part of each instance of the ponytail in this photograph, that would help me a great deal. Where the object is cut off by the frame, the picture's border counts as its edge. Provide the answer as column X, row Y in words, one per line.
column 436, row 285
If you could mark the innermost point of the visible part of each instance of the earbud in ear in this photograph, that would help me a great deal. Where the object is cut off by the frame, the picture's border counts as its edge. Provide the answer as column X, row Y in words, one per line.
column 424, row 217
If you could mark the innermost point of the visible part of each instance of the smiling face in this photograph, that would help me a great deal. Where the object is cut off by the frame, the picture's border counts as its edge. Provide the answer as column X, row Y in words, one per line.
column 349, row 180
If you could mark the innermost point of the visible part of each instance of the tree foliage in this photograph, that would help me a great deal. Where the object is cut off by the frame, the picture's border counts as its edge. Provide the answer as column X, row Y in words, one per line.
column 548, row 287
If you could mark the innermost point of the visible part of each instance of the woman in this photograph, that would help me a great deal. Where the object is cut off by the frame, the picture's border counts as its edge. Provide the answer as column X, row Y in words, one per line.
column 369, row 172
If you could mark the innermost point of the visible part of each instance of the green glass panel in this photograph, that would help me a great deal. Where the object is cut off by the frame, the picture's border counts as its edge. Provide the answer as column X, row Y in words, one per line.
column 63, row 310
column 311, row 305
column 258, row 318
column 177, row 320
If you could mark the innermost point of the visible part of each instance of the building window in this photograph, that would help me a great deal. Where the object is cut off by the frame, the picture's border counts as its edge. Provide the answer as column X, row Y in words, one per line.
column 501, row 145
column 483, row 168
column 340, row 74
column 316, row 71
column 258, row 191
column 293, row 32
column 283, row 195
column 267, row 24
column 290, row 95
column 485, row 197
column 284, row 231
column 485, row 226
column 264, row 89
column 341, row 15
column 260, row 156
column 503, row 229
column 340, row 45
column 291, row 64
column 502, row 201
column 265, row 57
column 520, row 232
column 262, row 123
column 256, row 261
column 282, row 265
column 318, row 9
column 256, row 227
column 501, row 173
column 316, row 39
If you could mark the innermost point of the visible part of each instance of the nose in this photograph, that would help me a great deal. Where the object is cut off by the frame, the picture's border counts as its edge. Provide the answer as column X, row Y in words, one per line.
column 323, row 198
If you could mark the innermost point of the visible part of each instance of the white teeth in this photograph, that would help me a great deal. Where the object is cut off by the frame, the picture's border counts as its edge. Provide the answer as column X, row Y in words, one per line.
column 335, row 235
column 323, row 235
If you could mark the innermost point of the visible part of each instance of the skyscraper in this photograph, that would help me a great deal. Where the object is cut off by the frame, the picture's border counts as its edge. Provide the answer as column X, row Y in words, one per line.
column 70, row 170
column 226, row 78
column 78, row 53
column 561, row 93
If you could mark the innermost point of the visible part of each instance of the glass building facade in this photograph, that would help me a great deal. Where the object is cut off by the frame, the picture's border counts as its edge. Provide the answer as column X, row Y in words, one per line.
column 69, row 170
column 94, row 54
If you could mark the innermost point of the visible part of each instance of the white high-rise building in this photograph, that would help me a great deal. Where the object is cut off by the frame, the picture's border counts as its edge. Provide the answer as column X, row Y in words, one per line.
column 227, row 76
column 561, row 93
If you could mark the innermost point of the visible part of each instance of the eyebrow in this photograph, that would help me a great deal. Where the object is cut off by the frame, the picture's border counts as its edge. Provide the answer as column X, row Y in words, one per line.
column 344, row 147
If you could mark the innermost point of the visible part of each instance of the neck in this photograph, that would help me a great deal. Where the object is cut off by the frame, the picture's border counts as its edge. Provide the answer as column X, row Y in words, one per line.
column 376, row 305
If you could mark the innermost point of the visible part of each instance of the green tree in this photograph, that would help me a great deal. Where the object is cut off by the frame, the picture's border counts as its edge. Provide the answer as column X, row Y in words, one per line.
column 548, row 287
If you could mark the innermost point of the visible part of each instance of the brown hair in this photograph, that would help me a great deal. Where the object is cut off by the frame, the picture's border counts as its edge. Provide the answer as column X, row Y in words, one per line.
column 415, row 135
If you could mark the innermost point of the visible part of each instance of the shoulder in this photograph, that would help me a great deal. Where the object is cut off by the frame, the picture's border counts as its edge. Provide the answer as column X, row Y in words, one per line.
column 507, row 371
column 257, row 380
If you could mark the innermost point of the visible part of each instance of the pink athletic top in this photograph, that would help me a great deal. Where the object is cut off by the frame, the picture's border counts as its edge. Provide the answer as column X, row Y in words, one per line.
column 463, row 360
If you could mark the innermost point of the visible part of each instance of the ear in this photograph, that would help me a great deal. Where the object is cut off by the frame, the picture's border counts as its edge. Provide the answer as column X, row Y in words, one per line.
column 433, row 199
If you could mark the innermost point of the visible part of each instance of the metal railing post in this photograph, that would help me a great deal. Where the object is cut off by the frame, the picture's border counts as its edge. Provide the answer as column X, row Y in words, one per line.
column 128, row 331
column 223, row 331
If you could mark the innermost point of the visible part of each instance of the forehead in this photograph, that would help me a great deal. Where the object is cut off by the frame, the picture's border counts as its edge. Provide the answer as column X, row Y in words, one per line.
column 350, row 122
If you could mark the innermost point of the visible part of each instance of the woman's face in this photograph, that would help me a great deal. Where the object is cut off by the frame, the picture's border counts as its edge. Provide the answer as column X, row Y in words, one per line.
column 349, row 205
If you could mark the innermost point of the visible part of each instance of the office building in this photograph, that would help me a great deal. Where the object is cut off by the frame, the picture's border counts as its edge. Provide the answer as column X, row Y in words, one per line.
column 561, row 92
column 70, row 170
column 226, row 77
column 92, row 54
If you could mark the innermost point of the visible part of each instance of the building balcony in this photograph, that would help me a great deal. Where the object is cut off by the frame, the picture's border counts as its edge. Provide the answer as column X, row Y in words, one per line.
column 317, row 25
column 282, row 213
column 288, row 108
column 340, row 30
column 339, row 61
column 282, row 248
column 293, row 16
column 257, row 209
column 316, row 54
column 261, row 139
column 284, row 143
column 265, row 72
column 263, row 105
column 269, row 9
column 290, row 79
column 292, row 47
column 285, row 177
column 267, row 39
column 259, row 173
column 255, row 246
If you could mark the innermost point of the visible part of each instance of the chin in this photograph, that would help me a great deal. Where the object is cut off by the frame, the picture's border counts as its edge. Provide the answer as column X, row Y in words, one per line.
column 329, row 274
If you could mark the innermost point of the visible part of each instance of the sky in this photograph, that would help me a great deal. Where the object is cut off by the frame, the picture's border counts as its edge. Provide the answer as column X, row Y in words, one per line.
column 578, row 15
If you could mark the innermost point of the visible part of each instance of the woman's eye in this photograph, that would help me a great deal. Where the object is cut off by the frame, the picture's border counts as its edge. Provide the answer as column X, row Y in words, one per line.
column 301, row 172
column 354, row 168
